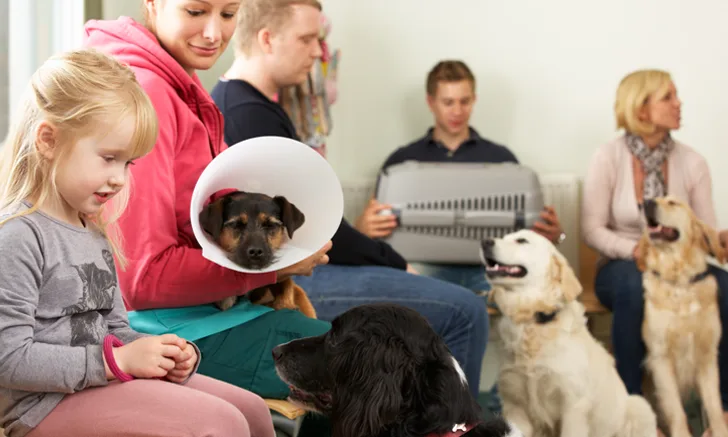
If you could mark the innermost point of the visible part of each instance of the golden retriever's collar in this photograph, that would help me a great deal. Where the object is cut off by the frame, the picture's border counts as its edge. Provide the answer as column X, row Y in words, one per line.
column 543, row 318
column 697, row 278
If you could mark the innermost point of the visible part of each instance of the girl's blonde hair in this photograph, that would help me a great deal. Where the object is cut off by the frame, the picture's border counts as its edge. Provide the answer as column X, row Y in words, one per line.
column 79, row 93
column 633, row 93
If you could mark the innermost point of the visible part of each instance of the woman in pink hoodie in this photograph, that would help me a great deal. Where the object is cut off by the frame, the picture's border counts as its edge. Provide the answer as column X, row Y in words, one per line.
column 168, row 285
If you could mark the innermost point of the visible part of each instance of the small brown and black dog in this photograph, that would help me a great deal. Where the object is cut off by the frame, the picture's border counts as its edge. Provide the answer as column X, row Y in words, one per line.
column 250, row 228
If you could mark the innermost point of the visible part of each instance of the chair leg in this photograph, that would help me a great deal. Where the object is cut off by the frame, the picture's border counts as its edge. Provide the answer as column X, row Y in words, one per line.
column 284, row 426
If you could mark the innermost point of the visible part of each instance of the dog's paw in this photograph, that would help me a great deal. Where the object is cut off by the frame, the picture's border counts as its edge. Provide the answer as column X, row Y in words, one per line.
column 227, row 303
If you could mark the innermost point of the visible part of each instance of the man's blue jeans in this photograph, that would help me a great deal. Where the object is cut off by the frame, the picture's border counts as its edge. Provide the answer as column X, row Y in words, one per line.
column 469, row 276
column 618, row 287
column 455, row 313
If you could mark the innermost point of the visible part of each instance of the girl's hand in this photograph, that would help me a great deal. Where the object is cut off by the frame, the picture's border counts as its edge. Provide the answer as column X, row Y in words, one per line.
column 184, row 366
column 150, row 357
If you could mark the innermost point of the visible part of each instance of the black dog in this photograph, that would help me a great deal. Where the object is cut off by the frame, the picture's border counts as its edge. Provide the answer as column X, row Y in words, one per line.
column 250, row 227
column 382, row 371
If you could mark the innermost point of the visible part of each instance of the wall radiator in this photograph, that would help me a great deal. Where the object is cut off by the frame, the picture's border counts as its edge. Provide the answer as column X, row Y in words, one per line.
column 562, row 190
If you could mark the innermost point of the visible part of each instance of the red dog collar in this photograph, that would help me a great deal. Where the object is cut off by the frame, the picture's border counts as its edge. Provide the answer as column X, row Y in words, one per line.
column 456, row 431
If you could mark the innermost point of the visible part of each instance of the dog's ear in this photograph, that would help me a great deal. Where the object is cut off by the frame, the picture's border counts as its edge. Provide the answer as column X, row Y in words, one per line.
column 438, row 394
column 708, row 240
column 562, row 277
column 367, row 399
column 291, row 216
column 212, row 217
column 643, row 245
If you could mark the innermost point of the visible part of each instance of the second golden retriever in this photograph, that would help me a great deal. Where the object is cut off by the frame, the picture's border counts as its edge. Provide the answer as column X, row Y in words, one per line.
column 555, row 379
column 681, row 328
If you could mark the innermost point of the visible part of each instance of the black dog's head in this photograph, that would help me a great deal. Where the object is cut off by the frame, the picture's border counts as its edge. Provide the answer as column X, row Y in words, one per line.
column 381, row 370
column 250, row 227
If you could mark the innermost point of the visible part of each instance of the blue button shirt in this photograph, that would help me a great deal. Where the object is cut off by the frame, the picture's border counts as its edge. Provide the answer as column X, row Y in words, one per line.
column 474, row 149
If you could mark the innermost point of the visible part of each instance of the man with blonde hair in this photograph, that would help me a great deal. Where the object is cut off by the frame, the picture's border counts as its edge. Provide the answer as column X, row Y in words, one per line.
column 276, row 45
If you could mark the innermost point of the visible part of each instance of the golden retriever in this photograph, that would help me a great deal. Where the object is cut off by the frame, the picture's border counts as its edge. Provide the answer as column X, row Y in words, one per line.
column 681, row 328
column 555, row 379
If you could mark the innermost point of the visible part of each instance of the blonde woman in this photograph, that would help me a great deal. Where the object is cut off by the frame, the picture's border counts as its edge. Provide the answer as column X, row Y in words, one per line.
column 70, row 365
column 168, row 284
column 643, row 163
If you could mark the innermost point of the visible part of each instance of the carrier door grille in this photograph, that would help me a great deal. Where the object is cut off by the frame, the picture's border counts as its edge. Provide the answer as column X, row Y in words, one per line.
column 505, row 202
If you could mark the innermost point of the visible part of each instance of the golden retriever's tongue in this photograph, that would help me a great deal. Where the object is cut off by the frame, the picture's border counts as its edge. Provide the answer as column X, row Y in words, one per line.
column 655, row 231
column 668, row 232
column 497, row 268
column 511, row 270
column 661, row 231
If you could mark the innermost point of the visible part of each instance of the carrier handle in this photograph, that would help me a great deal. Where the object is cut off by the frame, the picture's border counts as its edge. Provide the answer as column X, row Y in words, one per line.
column 484, row 219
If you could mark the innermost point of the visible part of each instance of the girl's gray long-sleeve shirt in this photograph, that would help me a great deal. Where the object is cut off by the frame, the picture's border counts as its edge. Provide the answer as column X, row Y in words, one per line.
column 58, row 299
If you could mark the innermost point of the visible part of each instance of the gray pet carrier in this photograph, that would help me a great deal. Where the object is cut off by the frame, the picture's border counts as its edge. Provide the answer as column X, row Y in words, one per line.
column 444, row 210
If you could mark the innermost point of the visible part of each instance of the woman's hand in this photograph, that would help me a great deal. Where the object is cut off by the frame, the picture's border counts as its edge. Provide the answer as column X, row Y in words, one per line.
column 184, row 365
column 150, row 357
column 375, row 225
column 723, row 237
column 305, row 267
column 636, row 252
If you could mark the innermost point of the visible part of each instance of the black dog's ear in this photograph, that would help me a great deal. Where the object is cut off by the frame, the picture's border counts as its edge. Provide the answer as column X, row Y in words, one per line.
column 212, row 217
column 440, row 388
column 368, row 391
column 291, row 216
column 366, row 410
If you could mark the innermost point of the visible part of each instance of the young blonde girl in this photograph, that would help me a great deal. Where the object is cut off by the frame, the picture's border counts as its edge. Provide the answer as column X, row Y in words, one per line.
column 70, row 365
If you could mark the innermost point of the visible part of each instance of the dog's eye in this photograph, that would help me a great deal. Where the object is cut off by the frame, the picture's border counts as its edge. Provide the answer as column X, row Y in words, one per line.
column 522, row 241
column 671, row 202
column 236, row 224
column 271, row 225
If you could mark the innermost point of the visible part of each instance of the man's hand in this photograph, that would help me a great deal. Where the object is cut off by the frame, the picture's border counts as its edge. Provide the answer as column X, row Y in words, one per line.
column 412, row 270
column 723, row 237
column 374, row 225
column 183, row 365
column 548, row 225
column 305, row 267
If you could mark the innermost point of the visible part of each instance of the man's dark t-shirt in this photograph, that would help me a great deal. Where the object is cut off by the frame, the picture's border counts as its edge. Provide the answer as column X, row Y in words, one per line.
column 474, row 149
column 250, row 114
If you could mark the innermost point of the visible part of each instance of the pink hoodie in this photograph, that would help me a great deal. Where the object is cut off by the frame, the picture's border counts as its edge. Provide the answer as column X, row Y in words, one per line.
column 166, row 268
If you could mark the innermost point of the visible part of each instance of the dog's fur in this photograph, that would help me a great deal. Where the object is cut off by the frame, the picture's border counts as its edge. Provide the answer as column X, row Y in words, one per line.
column 681, row 328
column 250, row 228
column 555, row 379
column 285, row 294
column 382, row 371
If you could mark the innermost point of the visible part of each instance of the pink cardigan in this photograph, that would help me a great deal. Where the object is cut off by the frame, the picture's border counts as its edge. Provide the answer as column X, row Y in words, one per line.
column 611, row 221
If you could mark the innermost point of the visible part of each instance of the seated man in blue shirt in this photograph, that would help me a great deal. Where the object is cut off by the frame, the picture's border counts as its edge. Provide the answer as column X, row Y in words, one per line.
column 451, row 96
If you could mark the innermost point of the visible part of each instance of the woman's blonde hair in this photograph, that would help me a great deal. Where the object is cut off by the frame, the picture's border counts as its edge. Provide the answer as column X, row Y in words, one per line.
column 633, row 93
column 79, row 93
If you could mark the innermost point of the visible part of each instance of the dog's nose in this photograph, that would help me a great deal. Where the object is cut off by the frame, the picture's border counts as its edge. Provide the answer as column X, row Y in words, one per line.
column 277, row 353
column 487, row 243
column 255, row 252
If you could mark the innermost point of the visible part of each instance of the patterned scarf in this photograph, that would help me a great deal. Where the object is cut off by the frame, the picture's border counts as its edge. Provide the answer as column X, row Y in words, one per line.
column 652, row 160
